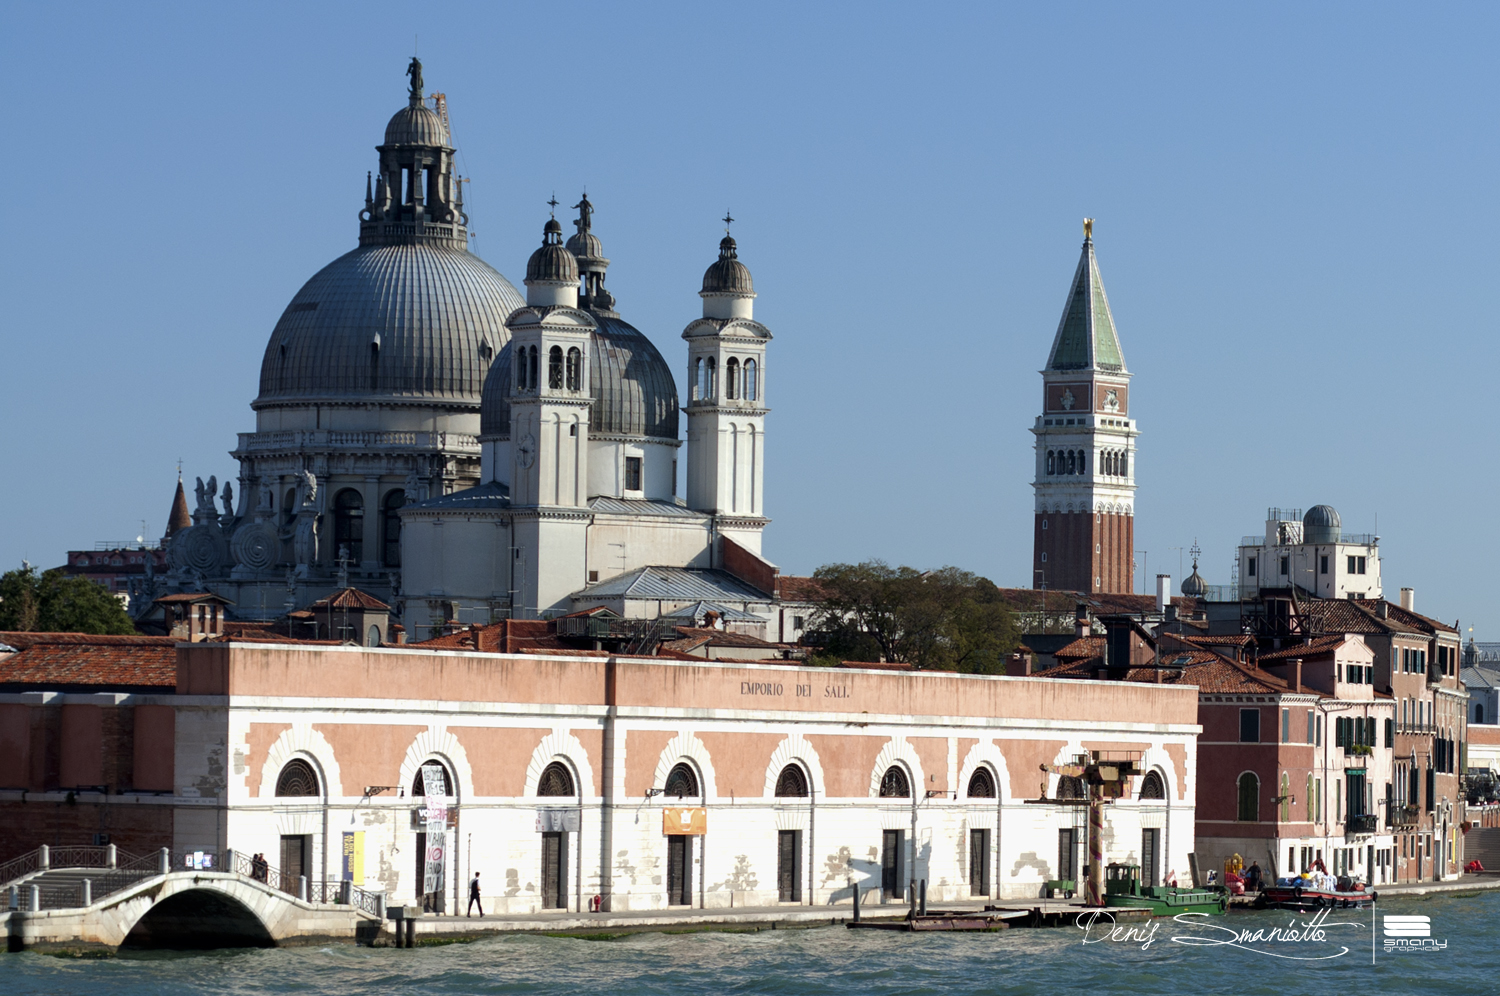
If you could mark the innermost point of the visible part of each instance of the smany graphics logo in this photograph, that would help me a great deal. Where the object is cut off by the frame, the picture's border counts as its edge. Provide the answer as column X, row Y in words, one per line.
column 1409, row 933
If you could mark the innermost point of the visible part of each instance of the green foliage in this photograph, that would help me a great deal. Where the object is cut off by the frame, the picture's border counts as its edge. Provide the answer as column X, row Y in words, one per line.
column 53, row 602
column 943, row 620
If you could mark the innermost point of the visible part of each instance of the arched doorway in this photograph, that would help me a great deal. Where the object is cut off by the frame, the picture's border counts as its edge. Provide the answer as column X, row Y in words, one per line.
column 198, row 920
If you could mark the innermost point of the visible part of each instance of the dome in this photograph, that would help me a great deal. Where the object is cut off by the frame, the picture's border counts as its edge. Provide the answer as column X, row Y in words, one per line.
column 727, row 275
column 416, row 124
column 405, row 321
column 585, row 245
column 1321, row 525
column 1193, row 586
column 632, row 386
column 552, row 262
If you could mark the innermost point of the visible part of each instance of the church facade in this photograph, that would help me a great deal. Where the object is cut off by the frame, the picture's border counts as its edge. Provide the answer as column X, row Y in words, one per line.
column 1085, row 447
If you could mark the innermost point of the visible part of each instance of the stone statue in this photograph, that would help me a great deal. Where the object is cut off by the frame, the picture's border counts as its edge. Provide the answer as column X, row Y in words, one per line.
column 198, row 492
column 585, row 214
column 411, row 488
column 211, row 490
column 415, row 72
column 310, row 488
column 228, row 499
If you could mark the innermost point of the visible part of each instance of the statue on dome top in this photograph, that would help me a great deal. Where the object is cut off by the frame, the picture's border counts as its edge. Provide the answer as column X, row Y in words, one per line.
column 415, row 72
column 585, row 214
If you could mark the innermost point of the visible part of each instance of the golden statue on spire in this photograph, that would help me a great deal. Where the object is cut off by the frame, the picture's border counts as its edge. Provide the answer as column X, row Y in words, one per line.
column 1088, row 229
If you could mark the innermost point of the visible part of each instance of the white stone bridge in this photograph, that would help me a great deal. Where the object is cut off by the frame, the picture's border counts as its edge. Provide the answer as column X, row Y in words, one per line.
column 106, row 908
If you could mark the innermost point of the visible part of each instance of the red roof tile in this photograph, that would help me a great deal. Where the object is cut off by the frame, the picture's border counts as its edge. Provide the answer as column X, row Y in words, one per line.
column 790, row 588
column 351, row 598
column 94, row 662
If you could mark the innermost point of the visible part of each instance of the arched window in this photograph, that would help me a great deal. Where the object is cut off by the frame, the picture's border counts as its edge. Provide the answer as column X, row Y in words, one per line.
column 894, row 784
column 374, row 366
column 1051, row 463
column 752, row 389
column 297, row 778
column 731, row 378
column 419, row 782
column 982, row 784
column 682, row 782
column 556, row 780
column 1083, row 467
column 700, row 386
column 372, row 638
column 1479, row 714
column 791, row 783
column 575, row 369
column 1312, row 814
column 1152, row 786
column 713, row 379
column 349, row 524
column 289, row 507
column 533, row 380
column 1070, row 787
column 555, row 368
column 390, row 527
column 1249, row 793
column 1072, row 462
column 1124, row 465
column 520, row 361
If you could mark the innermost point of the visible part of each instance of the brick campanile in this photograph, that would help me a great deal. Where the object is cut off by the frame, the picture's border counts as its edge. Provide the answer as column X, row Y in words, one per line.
column 1085, row 447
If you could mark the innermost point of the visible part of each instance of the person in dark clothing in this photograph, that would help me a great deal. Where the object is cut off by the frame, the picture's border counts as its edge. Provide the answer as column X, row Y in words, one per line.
column 474, row 897
column 1252, row 877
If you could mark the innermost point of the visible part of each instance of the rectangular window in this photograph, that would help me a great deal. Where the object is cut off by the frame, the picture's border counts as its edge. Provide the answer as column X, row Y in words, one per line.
column 1320, row 731
column 979, row 862
column 1338, row 731
column 1249, row 726
column 1286, row 563
column 1390, row 732
column 632, row 473
column 1323, row 564
column 1311, row 719
column 674, row 478
column 1361, row 562
column 1351, row 565
column 1249, row 567
column 789, row 865
column 1286, row 726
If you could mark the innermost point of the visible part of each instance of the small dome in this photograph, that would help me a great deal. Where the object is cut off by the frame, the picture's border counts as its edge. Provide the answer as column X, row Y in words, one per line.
column 1321, row 525
column 416, row 124
column 632, row 386
column 1193, row 586
column 727, row 275
column 585, row 245
column 552, row 262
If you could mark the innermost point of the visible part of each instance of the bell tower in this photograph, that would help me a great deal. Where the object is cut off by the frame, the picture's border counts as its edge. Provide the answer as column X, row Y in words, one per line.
column 1085, row 447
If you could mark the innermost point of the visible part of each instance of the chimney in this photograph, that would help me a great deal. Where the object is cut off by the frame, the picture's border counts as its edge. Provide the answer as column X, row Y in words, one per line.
column 397, row 633
column 474, row 634
column 1019, row 665
column 1383, row 610
column 1297, row 674
column 1081, row 620
column 1163, row 592
column 1409, row 599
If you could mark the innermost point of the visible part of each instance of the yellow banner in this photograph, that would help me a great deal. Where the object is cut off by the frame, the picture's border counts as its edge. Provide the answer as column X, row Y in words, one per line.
column 690, row 820
column 354, row 857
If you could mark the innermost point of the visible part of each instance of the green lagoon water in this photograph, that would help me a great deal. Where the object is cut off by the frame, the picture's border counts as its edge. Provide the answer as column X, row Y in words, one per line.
column 828, row 960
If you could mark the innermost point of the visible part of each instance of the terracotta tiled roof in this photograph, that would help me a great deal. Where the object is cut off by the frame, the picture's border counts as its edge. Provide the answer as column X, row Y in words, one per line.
column 351, row 598
column 92, row 662
column 1227, row 640
column 22, row 639
column 193, row 598
column 508, row 636
column 1319, row 647
column 799, row 589
column 1058, row 602
column 873, row 665
column 1082, row 649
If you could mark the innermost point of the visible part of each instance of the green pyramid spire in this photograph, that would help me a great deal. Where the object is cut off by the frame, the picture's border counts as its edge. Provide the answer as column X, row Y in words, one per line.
column 1086, row 337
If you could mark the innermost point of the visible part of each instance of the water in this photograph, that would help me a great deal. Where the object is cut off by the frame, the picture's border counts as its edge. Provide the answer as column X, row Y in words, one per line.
column 829, row 960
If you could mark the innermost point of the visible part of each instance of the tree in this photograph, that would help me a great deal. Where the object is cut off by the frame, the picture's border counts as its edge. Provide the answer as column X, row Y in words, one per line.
column 947, row 620
column 53, row 602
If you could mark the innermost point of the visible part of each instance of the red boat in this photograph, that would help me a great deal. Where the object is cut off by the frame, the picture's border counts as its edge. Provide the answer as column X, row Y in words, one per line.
column 1304, row 898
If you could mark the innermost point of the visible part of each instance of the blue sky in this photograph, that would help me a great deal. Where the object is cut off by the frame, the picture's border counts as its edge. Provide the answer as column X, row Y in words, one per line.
column 1294, row 203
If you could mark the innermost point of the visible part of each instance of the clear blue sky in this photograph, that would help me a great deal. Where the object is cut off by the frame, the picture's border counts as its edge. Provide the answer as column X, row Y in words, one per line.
column 1295, row 206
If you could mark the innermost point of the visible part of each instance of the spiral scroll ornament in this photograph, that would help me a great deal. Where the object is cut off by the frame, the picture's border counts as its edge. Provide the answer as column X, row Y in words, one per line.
column 256, row 546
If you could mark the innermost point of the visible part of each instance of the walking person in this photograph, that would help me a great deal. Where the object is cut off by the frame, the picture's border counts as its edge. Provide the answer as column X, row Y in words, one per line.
column 474, row 897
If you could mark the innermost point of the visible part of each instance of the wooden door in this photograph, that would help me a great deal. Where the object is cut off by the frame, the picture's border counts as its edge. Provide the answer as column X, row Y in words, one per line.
column 979, row 862
column 293, row 861
column 1151, row 857
column 1067, row 850
column 679, row 870
column 554, row 870
column 789, row 866
column 890, row 863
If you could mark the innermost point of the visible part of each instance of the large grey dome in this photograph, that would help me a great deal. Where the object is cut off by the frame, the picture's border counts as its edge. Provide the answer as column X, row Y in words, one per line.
column 632, row 386
column 1321, row 525
column 416, row 322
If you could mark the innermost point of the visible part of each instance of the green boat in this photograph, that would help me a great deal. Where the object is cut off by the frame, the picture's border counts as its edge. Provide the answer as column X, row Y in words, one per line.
column 1122, row 888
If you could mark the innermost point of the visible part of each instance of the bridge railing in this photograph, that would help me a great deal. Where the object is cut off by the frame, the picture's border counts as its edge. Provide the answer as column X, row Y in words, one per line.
column 44, row 858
